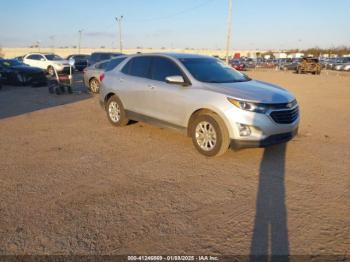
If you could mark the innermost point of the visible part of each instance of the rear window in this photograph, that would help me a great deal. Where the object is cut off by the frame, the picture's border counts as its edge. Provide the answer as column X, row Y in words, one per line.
column 138, row 66
column 114, row 63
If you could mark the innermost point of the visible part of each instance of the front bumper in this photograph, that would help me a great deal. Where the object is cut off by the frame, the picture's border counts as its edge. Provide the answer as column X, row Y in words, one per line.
column 268, row 141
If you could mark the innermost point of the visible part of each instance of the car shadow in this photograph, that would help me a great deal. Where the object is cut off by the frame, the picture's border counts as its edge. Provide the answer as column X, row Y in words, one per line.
column 270, row 235
column 17, row 100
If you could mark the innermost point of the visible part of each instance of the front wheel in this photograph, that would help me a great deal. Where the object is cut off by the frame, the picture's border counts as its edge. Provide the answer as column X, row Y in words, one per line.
column 210, row 135
column 115, row 112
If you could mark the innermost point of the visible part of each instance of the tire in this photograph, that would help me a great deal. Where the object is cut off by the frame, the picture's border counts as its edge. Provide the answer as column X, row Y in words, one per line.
column 115, row 112
column 51, row 70
column 94, row 86
column 205, row 124
column 21, row 79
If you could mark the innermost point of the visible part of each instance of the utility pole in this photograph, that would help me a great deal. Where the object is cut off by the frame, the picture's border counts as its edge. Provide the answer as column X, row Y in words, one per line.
column 119, row 21
column 229, row 30
column 79, row 45
column 38, row 45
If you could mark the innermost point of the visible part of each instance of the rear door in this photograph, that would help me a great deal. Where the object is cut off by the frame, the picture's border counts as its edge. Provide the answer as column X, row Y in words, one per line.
column 133, row 84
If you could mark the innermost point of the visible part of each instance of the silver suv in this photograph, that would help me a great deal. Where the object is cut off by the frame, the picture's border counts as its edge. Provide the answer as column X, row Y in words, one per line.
column 212, row 103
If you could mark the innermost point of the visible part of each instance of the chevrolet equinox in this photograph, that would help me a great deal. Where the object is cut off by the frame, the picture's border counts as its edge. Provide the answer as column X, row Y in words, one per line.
column 215, row 105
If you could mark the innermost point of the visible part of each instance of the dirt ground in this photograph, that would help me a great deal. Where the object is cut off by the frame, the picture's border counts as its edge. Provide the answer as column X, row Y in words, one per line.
column 70, row 183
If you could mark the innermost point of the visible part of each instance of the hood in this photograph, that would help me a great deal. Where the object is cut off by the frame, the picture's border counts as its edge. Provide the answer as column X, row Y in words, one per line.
column 25, row 68
column 253, row 91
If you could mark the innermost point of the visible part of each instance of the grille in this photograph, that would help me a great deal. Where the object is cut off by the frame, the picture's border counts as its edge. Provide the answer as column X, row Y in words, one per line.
column 285, row 116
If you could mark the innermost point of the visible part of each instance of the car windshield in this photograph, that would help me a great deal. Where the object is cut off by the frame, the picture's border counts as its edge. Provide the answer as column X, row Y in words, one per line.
column 211, row 70
column 53, row 57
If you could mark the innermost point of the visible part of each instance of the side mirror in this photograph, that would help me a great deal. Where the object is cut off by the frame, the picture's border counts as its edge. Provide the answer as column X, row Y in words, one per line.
column 42, row 59
column 176, row 80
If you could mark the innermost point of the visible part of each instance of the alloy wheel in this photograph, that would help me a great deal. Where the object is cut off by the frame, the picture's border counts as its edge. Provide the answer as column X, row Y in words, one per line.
column 206, row 136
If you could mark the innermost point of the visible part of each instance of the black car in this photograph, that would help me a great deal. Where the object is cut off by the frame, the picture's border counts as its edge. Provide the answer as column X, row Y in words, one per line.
column 80, row 61
column 19, row 58
column 16, row 73
column 101, row 56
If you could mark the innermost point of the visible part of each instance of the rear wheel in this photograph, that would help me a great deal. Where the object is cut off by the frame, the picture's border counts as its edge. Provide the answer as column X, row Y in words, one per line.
column 94, row 85
column 209, row 134
column 115, row 112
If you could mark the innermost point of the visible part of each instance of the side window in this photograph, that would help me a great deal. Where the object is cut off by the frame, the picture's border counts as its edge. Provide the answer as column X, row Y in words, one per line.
column 102, row 65
column 138, row 66
column 114, row 63
column 163, row 67
column 32, row 57
column 35, row 57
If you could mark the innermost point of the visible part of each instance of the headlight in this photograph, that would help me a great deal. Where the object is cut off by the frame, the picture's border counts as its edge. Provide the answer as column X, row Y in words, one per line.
column 248, row 106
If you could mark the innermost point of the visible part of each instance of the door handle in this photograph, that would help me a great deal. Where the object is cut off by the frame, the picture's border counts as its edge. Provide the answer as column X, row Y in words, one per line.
column 151, row 86
column 121, row 79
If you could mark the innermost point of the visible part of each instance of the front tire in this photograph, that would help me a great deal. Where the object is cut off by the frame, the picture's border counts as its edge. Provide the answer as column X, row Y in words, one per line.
column 210, row 135
column 115, row 112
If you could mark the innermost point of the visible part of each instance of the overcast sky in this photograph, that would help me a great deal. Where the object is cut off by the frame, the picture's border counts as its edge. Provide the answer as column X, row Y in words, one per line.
column 257, row 24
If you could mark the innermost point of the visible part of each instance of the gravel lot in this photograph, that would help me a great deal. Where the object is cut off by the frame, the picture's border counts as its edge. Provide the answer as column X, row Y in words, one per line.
column 70, row 183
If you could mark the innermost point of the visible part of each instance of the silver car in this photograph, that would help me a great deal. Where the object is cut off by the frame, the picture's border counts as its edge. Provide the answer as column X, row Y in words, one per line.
column 212, row 103
column 93, row 73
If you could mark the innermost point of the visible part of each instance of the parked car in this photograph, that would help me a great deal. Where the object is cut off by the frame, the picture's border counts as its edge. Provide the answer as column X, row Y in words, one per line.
column 203, row 97
column 346, row 67
column 249, row 63
column 16, row 73
column 101, row 56
column 238, row 65
column 93, row 73
column 48, row 62
column 309, row 65
column 80, row 61
column 291, row 64
column 340, row 62
column 19, row 58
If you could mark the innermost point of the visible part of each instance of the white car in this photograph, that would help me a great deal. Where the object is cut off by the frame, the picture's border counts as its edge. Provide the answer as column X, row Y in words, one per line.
column 48, row 62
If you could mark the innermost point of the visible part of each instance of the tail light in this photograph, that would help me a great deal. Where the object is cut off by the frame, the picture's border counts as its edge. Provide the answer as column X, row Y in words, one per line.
column 102, row 76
